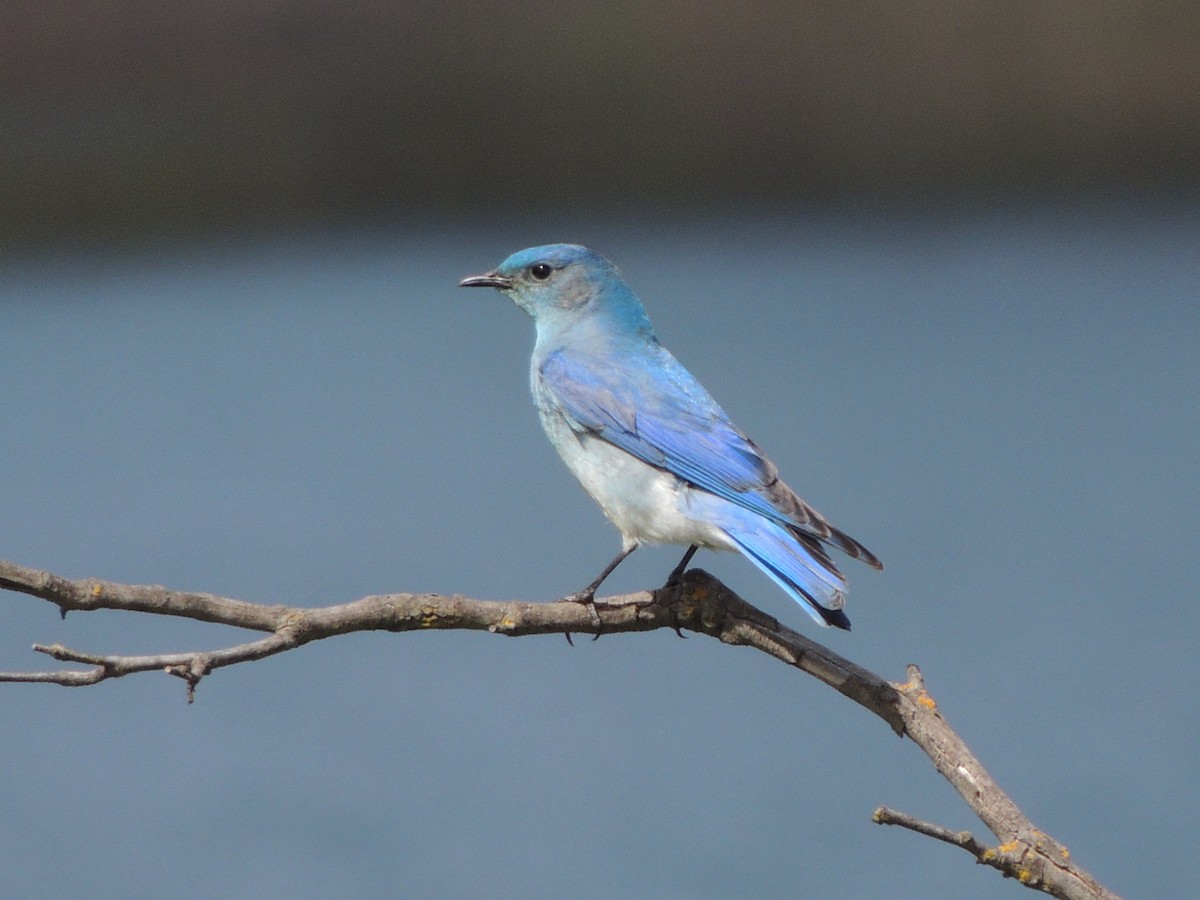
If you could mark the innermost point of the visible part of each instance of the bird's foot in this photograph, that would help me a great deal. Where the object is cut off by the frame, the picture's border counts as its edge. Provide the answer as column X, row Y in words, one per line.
column 586, row 597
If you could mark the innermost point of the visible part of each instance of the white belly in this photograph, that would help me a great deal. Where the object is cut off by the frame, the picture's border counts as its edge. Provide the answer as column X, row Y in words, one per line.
column 646, row 504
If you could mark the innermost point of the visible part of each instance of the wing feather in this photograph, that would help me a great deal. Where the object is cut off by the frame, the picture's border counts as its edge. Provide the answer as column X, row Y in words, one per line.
column 678, row 427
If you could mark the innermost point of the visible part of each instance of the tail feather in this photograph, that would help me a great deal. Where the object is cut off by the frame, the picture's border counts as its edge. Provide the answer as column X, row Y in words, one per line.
column 806, row 522
column 809, row 578
column 853, row 548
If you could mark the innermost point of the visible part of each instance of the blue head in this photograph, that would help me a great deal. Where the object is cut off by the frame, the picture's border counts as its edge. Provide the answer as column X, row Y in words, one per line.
column 563, row 286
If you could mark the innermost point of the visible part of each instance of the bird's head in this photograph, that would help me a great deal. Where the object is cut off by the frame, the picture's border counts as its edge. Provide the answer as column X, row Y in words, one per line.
column 562, row 284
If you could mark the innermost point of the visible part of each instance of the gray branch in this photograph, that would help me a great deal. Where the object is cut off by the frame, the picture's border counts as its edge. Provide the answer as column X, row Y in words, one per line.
column 698, row 603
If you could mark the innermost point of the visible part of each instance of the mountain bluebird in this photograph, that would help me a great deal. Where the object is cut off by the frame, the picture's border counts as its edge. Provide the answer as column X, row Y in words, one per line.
column 647, row 441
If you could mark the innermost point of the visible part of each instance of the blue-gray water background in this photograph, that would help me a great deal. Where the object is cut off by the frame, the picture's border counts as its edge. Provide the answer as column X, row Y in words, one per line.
column 1001, row 403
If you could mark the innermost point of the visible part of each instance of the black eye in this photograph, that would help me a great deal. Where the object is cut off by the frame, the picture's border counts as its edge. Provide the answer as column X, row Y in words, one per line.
column 540, row 271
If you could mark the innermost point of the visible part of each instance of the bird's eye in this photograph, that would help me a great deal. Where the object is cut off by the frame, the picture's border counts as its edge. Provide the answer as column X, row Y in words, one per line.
column 540, row 271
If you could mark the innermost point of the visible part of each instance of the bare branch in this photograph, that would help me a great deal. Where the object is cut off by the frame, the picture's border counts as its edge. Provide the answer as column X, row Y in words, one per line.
column 964, row 839
column 697, row 603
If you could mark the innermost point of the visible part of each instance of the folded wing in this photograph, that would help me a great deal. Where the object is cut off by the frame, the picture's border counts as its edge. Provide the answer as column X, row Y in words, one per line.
column 656, row 411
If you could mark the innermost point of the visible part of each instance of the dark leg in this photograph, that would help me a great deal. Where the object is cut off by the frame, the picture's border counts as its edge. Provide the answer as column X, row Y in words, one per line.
column 587, row 595
column 677, row 572
column 589, row 592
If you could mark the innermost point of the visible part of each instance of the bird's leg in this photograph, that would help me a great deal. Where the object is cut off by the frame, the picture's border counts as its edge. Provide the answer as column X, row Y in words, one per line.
column 588, row 594
column 677, row 572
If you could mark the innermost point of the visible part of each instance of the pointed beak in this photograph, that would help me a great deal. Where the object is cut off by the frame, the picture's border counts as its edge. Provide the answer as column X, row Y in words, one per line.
column 491, row 279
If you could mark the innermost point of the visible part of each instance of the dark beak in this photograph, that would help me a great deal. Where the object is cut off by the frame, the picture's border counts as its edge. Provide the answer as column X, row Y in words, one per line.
column 491, row 279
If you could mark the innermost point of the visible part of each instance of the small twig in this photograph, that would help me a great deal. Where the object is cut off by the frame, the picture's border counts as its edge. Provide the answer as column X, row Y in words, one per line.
column 964, row 839
column 190, row 666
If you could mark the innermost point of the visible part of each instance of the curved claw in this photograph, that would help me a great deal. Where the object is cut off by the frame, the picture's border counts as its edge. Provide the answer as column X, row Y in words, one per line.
column 585, row 597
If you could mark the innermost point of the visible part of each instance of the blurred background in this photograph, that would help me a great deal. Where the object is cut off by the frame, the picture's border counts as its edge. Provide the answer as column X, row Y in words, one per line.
column 149, row 118
column 940, row 261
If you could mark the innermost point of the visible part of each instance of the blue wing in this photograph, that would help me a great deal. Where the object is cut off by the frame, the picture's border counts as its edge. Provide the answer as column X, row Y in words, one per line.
column 650, row 406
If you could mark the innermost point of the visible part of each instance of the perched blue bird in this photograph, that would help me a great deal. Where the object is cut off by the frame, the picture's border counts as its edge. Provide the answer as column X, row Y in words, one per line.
column 647, row 441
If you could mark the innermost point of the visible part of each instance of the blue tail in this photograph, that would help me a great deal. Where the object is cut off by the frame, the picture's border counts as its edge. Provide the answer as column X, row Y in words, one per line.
column 815, row 584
